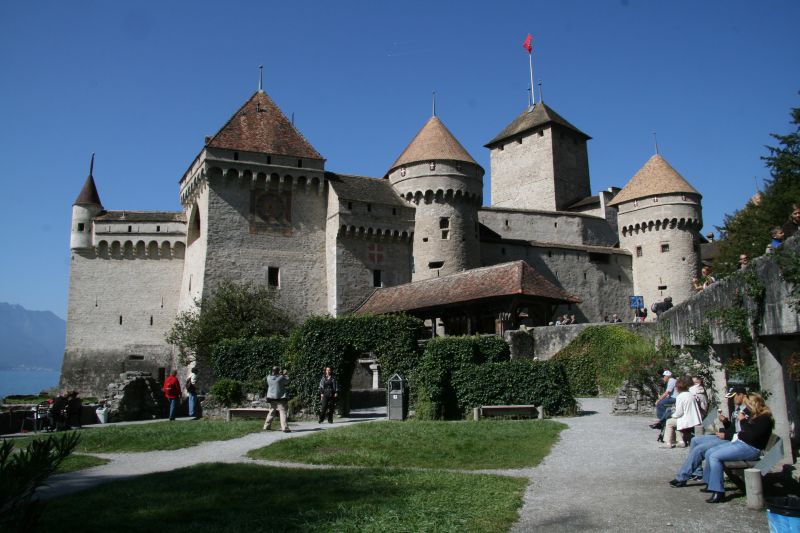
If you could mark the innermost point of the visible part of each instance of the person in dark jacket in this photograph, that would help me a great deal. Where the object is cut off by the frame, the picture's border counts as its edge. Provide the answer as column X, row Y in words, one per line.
column 328, row 393
column 56, row 415
column 756, row 427
column 74, row 408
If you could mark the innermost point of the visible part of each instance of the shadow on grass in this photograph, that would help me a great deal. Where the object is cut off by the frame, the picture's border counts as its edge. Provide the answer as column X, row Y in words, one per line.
column 238, row 497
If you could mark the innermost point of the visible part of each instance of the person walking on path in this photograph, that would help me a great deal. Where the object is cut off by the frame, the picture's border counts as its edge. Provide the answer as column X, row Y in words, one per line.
column 191, row 390
column 278, row 398
column 172, row 390
column 328, row 392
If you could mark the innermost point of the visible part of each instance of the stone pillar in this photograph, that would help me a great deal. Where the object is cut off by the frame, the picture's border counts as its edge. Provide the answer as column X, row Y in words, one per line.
column 773, row 379
column 376, row 381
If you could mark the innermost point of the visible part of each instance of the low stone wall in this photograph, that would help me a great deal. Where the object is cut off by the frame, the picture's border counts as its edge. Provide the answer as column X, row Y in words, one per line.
column 136, row 396
column 632, row 401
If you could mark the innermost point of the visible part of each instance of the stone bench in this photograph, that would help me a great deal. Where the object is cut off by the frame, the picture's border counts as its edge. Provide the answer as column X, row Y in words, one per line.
column 753, row 471
column 508, row 410
column 246, row 412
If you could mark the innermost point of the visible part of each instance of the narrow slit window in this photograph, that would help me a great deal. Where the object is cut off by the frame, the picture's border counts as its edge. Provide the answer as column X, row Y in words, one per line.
column 664, row 248
column 158, row 229
column 639, row 251
column 130, row 229
column 377, row 278
column 120, row 320
column 80, row 226
column 299, row 163
column 269, row 159
column 235, row 156
column 273, row 276
column 151, row 320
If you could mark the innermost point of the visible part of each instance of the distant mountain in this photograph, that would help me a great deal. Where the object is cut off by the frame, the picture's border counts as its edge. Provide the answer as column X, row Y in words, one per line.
column 30, row 340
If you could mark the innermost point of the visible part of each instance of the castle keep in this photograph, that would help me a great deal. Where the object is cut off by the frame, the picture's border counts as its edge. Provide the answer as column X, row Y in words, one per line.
column 258, row 205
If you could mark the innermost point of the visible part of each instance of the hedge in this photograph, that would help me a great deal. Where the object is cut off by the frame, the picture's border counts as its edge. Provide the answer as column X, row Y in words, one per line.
column 248, row 360
column 518, row 382
column 339, row 342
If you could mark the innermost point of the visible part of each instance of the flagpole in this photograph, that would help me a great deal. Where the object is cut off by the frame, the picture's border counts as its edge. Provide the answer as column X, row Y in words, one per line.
column 530, row 63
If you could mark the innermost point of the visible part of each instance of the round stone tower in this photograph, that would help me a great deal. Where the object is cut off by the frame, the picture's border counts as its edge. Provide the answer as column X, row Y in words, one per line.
column 659, row 220
column 445, row 184
column 85, row 208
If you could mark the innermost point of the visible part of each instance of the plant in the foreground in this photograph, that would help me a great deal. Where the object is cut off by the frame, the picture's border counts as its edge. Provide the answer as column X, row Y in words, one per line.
column 22, row 472
column 227, row 392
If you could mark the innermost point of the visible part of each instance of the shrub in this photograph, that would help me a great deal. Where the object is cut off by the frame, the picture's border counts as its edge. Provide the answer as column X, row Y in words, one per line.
column 249, row 360
column 227, row 392
column 519, row 382
column 606, row 352
column 339, row 342
column 21, row 473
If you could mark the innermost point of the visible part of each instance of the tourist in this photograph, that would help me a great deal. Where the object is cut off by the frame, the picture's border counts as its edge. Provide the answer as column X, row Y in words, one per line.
column 572, row 319
column 686, row 415
column 696, row 285
column 640, row 314
column 328, row 392
column 666, row 399
column 615, row 319
column 172, row 390
column 55, row 415
column 700, row 445
column 744, row 261
column 278, row 398
column 605, row 318
column 706, row 278
column 756, row 424
column 778, row 237
column 700, row 396
column 661, row 307
column 191, row 390
column 793, row 224
column 74, row 408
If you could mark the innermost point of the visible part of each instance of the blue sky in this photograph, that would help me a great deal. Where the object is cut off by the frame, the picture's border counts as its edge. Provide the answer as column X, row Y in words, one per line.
column 142, row 83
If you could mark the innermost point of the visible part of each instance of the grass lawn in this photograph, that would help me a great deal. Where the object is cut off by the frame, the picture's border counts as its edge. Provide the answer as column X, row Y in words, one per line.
column 79, row 462
column 238, row 497
column 157, row 436
column 453, row 445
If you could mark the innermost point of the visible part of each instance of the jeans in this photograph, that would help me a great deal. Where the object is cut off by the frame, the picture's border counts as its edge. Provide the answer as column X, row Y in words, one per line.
column 173, row 405
column 697, row 451
column 662, row 406
column 713, row 472
column 192, row 404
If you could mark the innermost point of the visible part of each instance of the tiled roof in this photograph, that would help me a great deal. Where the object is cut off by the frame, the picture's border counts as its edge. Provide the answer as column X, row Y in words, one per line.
column 88, row 195
column 260, row 126
column 655, row 177
column 141, row 216
column 433, row 142
column 530, row 119
column 508, row 279
column 364, row 189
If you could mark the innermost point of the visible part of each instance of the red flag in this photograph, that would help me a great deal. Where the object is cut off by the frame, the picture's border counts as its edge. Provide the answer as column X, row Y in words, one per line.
column 527, row 44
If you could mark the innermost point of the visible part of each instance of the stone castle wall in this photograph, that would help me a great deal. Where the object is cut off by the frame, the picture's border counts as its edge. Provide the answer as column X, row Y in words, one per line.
column 549, row 227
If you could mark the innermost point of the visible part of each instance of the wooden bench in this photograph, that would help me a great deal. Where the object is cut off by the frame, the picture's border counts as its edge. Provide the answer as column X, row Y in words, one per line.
column 508, row 410
column 246, row 412
column 752, row 471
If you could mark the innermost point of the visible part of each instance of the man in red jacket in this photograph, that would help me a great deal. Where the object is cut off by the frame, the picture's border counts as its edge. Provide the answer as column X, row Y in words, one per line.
column 172, row 390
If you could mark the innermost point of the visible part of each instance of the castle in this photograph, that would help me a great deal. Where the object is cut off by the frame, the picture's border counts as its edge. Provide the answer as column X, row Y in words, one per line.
column 258, row 205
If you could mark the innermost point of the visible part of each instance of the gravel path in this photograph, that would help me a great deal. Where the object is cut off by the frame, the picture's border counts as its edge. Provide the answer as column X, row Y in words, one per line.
column 607, row 473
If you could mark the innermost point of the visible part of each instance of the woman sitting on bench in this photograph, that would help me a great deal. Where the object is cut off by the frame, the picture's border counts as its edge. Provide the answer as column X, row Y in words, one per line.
column 756, row 422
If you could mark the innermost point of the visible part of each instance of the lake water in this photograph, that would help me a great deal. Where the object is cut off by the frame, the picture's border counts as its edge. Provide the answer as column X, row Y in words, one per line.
column 26, row 381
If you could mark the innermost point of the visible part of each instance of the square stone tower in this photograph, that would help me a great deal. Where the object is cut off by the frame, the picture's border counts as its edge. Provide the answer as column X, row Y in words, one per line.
column 539, row 162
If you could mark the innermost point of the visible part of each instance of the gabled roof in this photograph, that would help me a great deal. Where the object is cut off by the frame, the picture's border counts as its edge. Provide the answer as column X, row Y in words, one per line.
column 654, row 178
column 364, row 189
column 260, row 126
column 516, row 278
column 88, row 195
column 433, row 142
column 533, row 118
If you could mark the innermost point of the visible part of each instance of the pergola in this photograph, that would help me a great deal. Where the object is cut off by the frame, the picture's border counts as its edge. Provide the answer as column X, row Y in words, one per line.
column 491, row 299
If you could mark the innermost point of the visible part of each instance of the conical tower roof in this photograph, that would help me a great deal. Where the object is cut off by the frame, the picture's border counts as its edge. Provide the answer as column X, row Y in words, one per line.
column 433, row 142
column 654, row 178
column 260, row 126
column 88, row 194
column 532, row 118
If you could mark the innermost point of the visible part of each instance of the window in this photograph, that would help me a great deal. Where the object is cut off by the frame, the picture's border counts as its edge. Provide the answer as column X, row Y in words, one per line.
column 394, row 210
column 135, row 358
column 151, row 320
column 549, row 253
column 80, row 226
column 636, row 203
column 432, row 165
column 541, row 133
column 502, row 251
column 273, row 276
column 662, row 287
column 664, row 248
column 299, row 163
column 369, row 208
column 158, row 229
column 555, row 224
column 377, row 280
column 444, row 225
column 639, row 251
column 269, row 159
column 655, row 199
column 349, row 206
column 235, row 156
column 506, row 222
column 519, row 141
column 424, row 239
column 130, row 229
column 120, row 320
column 435, row 264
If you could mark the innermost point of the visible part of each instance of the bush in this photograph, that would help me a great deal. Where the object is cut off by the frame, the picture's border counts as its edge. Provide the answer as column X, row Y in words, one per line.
column 249, row 360
column 227, row 392
column 339, row 342
column 519, row 382
column 21, row 473
column 600, row 358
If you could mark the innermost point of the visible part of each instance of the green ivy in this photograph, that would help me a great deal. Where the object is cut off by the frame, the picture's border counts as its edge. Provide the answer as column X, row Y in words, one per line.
column 518, row 382
column 789, row 263
column 339, row 342
column 249, row 360
column 227, row 392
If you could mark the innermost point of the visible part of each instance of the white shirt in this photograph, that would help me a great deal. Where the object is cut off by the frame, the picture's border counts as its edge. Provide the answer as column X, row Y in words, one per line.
column 686, row 411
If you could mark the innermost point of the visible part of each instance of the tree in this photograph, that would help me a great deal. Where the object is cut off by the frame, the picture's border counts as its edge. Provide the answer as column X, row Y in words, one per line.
column 232, row 311
column 747, row 231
